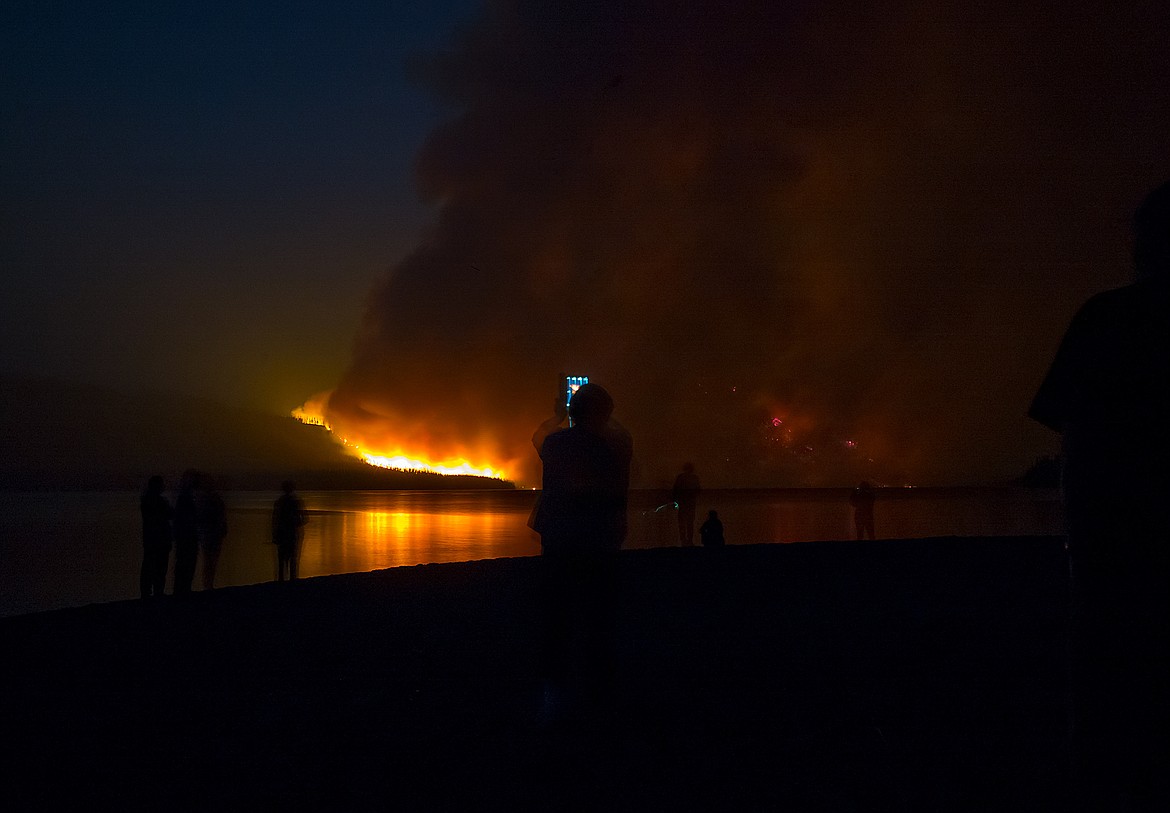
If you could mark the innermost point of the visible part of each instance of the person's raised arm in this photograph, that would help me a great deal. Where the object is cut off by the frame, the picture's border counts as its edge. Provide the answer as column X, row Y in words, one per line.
column 550, row 425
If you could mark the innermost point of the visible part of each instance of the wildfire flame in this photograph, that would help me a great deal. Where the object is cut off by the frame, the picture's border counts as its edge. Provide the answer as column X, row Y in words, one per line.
column 456, row 466
column 311, row 412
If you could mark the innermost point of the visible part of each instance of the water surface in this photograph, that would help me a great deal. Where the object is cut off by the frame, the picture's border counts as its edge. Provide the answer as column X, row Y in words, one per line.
column 67, row 549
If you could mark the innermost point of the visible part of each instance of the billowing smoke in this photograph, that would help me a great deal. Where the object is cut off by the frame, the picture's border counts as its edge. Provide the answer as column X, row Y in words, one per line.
column 800, row 243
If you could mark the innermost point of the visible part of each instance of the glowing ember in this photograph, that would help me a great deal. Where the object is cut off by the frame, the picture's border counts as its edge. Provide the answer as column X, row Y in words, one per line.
column 311, row 413
column 445, row 467
column 312, row 420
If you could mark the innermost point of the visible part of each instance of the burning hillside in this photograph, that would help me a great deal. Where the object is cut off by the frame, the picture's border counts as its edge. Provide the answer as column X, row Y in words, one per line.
column 396, row 457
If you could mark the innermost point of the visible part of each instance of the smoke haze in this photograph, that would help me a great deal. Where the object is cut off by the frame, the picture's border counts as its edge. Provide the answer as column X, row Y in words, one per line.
column 798, row 245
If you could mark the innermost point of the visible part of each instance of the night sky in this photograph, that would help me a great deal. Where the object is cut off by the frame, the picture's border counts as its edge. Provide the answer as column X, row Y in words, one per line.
column 800, row 243
column 198, row 196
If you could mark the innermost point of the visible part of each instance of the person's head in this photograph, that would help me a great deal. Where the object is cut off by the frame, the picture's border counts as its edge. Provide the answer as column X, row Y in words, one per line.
column 688, row 468
column 591, row 406
column 288, row 487
column 155, row 484
column 713, row 514
column 1151, row 234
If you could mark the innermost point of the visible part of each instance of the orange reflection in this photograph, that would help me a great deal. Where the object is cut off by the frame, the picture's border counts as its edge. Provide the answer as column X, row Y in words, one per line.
column 382, row 523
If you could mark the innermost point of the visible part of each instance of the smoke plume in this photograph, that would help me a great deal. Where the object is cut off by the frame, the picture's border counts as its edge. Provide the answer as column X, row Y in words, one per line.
column 799, row 243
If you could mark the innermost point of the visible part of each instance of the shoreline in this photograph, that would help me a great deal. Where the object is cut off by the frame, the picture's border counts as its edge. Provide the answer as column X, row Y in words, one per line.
column 69, row 550
column 925, row 673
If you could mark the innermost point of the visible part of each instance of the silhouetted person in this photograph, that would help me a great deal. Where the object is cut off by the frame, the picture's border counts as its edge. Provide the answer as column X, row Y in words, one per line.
column 550, row 424
column 862, row 501
column 581, row 519
column 186, row 532
column 1108, row 394
column 711, row 531
column 685, row 494
column 212, row 529
column 288, row 522
column 156, row 538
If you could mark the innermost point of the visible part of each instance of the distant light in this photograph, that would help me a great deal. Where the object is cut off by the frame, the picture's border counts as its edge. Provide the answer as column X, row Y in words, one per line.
column 777, row 422
column 850, row 444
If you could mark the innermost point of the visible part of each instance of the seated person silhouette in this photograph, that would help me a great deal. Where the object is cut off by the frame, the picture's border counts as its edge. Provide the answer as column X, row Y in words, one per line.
column 711, row 531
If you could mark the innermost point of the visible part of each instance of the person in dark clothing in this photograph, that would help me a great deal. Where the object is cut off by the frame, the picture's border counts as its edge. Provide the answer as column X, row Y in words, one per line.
column 212, row 529
column 1108, row 394
column 156, row 538
column 186, row 532
column 711, row 531
column 685, row 494
column 288, row 522
column 581, row 519
column 862, row 500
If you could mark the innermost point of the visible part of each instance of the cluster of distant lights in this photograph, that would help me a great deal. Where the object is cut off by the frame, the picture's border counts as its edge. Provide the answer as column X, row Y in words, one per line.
column 778, row 423
column 786, row 437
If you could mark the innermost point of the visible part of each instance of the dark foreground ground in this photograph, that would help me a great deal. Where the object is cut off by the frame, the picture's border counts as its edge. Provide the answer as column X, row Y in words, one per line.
column 921, row 675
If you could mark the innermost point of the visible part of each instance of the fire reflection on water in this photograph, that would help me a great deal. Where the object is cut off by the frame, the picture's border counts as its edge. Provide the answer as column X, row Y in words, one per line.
column 65, row 549
column 363, row 531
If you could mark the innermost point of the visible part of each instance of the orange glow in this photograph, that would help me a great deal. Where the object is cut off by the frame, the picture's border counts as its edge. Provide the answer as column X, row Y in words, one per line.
column 452, row 466
column 398, row 456
column 313, row 411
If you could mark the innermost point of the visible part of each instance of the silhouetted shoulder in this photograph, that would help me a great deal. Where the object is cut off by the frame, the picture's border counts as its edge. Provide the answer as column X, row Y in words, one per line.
column 569, row 442
column 553, row 441
column 1112, row 360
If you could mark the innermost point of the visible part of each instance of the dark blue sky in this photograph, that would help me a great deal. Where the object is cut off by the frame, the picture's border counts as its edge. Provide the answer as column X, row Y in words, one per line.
column 200, row 195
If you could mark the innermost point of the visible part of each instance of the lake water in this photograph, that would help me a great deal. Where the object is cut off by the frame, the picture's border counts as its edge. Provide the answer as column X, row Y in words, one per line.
column 69, row 549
